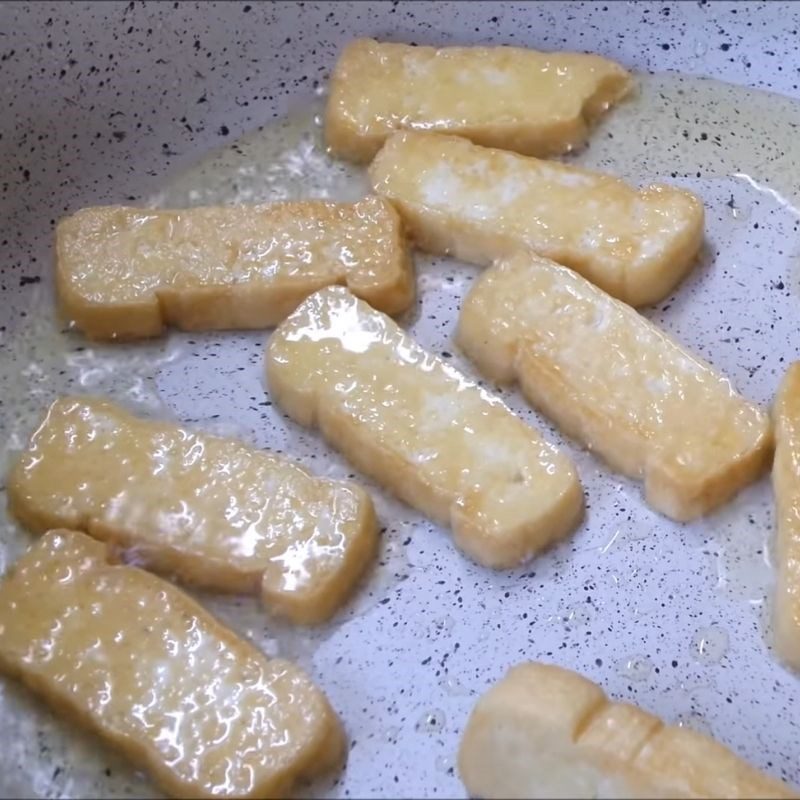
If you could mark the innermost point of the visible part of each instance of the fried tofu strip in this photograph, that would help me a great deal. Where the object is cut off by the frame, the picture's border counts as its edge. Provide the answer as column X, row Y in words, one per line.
column 127, row 273
column 786, row 483
column 145, row 667
column 535, row 103
column 210, row 510
column 416, row 425
column 545, row 732
column 479, row 204
column 615, row 382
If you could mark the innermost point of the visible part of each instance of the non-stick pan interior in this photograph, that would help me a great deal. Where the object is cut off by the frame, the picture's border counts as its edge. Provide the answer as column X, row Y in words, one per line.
column 139, row 103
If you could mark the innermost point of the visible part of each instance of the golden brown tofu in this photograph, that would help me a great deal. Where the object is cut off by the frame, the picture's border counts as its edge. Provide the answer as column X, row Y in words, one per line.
column 415, row 424
column 535, row 103
column 479, row 204
column 786, row 482
column 126, row 273
column 544, row 731
column 615, row 382
column 213, row 511
column 149, row 670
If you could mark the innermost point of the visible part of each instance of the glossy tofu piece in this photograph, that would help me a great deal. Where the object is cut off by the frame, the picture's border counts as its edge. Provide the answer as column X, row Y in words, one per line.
column 479, row 204
column 148, row 669
column 547, row 732
column 615, row 382
column 419, row 427
column 509, row 97
column 212, row 511
column 786, row 483
column 127, row 273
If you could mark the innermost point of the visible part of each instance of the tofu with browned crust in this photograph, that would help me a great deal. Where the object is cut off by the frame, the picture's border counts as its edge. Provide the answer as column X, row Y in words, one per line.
column 127, row 273
column 408, row 419
column 786, row 483
column 479, row 204
column 547, row 732
column 210, row 510
column 510, row 97
column 143, row 665
column 615, row 382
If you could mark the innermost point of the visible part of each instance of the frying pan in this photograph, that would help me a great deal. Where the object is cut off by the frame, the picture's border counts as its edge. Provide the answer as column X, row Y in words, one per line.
column 111, row 102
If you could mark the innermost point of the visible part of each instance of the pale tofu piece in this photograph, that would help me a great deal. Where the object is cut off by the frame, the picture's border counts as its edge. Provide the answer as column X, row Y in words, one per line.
column 479, row 204
column 535, row 103
column 127, row 273
column 615, row 382
column 786, row 483
column 547, row 732
column 143, row 665
column 209, row 510
column 419, row 427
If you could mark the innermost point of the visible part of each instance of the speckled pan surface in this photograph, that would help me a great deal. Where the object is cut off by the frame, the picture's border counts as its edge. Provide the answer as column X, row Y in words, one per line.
column 110, row 102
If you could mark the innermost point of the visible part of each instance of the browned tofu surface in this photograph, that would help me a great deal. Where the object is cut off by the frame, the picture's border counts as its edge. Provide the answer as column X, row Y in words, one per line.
column 617, row 383
column 415, row 424
column 211, row 510
column 126, row 273
column 546, row 732
column 144, row 666
column 510, row 97
column 479, row 204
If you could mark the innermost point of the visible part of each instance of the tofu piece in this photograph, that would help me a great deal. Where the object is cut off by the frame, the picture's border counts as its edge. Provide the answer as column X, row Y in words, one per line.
column 419, row 427
column 535, row 103
column 140, row 663
column 547, row 732
column 211, row 511
column 479, row 204
column 615, row 382
column 786, row 483
column 126, row 273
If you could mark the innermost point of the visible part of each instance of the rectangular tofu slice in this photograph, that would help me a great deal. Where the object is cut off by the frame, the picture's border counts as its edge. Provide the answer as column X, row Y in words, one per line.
column 126, row 273
column 419, row 427
column 535, row 103
column 786, row 483
column 213, row 511
column 547, row 732
column 615, row 382
column 148, row 669
column 479, row 204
